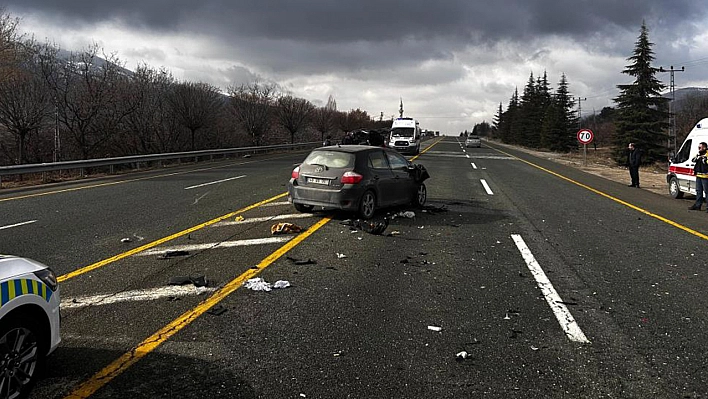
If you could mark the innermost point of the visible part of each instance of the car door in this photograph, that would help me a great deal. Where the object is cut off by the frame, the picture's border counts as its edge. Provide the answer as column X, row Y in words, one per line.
column 403, row 184
column 683, row 167
column 382, row 177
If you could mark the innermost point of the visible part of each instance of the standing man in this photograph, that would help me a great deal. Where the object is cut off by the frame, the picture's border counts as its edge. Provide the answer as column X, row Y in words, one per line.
column 634, row 160
column 701, row 172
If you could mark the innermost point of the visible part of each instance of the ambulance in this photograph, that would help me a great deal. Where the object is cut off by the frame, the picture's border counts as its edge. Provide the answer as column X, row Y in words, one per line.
column 680, row 176
column 405, row 136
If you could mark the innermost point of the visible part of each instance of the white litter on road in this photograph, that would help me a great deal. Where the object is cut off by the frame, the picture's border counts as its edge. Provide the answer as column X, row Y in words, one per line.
column 341, row 256
column 214, row 245
column 149, row 294
column 258, row 284
column 565, row 318
column 434, row 328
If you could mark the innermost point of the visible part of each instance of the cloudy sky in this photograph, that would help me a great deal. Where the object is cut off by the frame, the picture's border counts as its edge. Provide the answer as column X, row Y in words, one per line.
column 452, row 61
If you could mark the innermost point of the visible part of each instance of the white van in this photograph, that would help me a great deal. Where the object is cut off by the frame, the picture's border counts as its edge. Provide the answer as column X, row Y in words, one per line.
column 680, row 176
column 405, row 135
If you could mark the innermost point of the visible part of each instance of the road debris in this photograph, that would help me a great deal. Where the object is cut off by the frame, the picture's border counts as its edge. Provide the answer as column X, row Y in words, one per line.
column 125, row 240
column 173, row 254
column 285, row 228
column 239, row 218
column 404, row 214
column 258, row 284
column 198, row 281
column 296, row 261
column 375, row 228
column 435, row 328
column 341, row 256
column 394, row 233
column 217, row 310
column 460, row 356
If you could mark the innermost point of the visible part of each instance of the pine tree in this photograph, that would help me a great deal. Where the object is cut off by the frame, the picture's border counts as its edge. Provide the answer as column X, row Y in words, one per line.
column 558, row 133
column 529, row 115
column 641, row 116
column 497, row 120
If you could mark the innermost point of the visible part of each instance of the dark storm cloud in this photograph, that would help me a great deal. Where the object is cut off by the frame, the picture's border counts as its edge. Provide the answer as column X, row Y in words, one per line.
column 326, row 21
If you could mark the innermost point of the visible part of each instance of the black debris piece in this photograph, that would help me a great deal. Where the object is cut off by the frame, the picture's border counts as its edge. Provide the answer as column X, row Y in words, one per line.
column 198, row 281
column 217, row 310
column 423, row 253
column 405, row 261
column 173, row 298
column 296, row 261
column 455, row 225
column 173, row 254
column 515, row 333
column 331, row 268
column 375, row 228
column 434, row 210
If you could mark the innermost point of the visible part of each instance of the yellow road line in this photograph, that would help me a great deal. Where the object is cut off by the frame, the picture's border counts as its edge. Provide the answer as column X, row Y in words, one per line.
column 608, row 196
column 121, row 364
column 163, row 240
column 425, row 150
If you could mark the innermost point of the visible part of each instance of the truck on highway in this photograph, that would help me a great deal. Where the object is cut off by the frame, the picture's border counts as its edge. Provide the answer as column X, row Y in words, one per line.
column 405, row 135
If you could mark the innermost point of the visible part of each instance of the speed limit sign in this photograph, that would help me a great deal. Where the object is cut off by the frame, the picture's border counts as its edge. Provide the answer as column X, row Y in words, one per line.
column 585, row 136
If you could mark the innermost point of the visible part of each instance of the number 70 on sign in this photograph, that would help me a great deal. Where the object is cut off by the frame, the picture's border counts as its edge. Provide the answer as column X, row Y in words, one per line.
column 585, row 136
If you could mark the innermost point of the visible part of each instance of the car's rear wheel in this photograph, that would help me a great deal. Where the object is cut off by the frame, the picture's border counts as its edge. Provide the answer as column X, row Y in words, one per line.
column 421, row 195
column 21, row 354
column 674, row 189
column 367, row 205
column 303, row 208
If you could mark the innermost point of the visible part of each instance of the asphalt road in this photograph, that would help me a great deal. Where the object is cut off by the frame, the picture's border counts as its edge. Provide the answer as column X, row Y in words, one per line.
column 555, row 283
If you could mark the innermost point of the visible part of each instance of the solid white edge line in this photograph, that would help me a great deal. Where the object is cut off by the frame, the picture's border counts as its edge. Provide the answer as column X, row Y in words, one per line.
column 214, row 245
column 473, row 165
column 486, row 187
column 214, row 182
column 149, row 294
column 17, row 224
column 563, row 315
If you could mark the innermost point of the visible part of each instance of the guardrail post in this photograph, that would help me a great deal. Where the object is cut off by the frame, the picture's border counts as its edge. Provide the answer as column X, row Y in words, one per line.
column 110, row 170
column 0, row 181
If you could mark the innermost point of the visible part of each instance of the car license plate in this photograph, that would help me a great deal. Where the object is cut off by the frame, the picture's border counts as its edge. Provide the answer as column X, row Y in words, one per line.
column 318, row 181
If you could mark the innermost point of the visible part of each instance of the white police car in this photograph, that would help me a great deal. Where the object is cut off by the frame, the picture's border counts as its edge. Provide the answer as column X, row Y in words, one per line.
column 29, row 322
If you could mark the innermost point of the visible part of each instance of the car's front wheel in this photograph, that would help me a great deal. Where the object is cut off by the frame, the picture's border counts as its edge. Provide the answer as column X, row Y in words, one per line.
column 21, row 354
column 367, row 205
column 421, row 195
column 674, row 189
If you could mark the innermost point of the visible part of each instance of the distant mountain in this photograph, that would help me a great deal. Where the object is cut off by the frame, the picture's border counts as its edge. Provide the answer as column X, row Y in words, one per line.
column 683, row 95
column 64, row 56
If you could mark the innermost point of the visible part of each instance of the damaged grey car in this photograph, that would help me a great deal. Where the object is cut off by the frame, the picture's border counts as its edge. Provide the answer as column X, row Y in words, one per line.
column 356, row 178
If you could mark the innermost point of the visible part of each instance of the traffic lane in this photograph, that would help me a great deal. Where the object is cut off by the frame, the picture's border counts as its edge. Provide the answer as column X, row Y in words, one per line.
column 358, row 321
column 634, row 267
column 108, row 328
column 661, row 205
column 87, row 226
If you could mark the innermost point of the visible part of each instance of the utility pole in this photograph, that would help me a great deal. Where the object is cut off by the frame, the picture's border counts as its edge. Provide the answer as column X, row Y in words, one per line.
column 580, row 111
column 672, row 119
column 400, row 110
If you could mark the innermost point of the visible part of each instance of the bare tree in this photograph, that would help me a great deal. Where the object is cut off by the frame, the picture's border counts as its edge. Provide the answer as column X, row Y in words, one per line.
column 195, row 105
column 252, row 105
column 25, row 101
column 91, row 104
column 323, row 118
column 294, row 114
column 354, row 119
column 11, row 42
column 693, row 108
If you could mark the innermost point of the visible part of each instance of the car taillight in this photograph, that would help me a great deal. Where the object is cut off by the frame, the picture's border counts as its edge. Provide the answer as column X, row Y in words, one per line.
column 351, row 178
column 296, row 173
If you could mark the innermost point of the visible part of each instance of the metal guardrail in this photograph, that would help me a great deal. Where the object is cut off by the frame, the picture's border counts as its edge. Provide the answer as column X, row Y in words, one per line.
column 92, row 163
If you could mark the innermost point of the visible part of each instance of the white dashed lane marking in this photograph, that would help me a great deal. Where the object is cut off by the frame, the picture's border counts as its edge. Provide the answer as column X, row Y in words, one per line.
column 486, row 187
column 566, row 320
column 214, row 245
column 263, row 219
column 17, row 224
column 214, row 182
column 150, row 294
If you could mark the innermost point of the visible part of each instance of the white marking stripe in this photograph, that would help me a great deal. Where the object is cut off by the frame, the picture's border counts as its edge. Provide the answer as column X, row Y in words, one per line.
column 468, row 156
column 214, row 182
column 17, row 224
column 277, row 203
column 135, row 295
column 486, row 187
column 566, row 320
column 263, row 219
column 473, row 165
column 215, row 245
column 493, row 157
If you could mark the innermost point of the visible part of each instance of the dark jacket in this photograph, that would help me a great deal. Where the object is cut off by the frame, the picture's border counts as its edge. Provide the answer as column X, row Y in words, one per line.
column 701, row 167
column 635, row 158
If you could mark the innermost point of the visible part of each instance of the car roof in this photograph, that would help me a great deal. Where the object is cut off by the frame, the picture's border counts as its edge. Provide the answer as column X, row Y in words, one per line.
column 349, row 148
column 11, row 266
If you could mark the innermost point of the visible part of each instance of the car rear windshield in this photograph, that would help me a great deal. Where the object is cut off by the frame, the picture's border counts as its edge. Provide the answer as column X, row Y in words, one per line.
column 331, row 159
column 402, row 131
